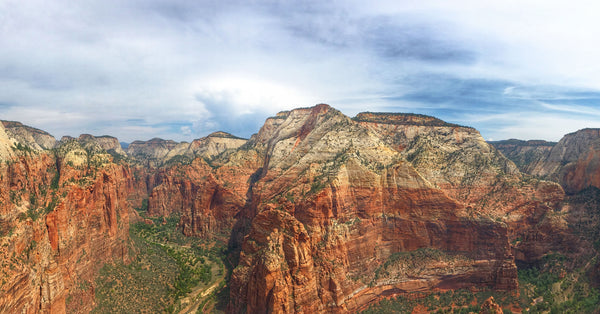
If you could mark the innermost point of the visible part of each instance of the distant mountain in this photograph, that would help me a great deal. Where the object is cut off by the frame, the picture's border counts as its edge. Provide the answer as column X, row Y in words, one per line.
column 319, row 212
column 524, row 153
column 574, row 161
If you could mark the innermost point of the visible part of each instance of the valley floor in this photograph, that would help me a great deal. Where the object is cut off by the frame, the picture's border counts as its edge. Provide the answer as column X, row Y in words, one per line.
column 169, row 273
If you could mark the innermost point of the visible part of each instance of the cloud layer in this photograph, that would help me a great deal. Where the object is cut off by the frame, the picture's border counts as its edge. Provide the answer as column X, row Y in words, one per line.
column 181, row 69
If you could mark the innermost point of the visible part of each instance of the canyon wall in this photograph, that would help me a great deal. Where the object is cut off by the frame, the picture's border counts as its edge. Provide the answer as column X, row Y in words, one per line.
column 63, row 213
column 322, row 213
column 341, row 217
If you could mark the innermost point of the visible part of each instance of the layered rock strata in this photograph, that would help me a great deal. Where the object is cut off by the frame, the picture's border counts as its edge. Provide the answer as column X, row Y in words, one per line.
column 338, row 209
column 524, row 153
column 62, row 214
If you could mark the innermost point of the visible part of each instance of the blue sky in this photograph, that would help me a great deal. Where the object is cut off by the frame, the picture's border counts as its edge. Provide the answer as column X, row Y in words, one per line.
column 182, row 69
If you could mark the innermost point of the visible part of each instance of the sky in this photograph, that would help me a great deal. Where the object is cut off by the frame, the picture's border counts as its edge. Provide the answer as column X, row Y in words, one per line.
column 180, row 70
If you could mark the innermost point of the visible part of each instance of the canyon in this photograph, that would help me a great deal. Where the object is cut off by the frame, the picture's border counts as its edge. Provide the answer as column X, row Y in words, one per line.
column 321, row 213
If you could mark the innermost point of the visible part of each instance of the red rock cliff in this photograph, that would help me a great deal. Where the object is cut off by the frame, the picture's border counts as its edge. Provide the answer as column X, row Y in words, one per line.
column 62, row 217
column 340, row 218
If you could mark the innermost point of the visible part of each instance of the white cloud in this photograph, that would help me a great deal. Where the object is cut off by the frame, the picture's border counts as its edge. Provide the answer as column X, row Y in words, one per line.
column 182, row 69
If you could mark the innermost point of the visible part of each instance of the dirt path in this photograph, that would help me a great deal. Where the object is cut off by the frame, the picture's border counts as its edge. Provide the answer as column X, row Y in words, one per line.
column 200, row 294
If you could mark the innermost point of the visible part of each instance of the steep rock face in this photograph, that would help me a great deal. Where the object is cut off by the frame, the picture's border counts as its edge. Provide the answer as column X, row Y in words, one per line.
column 152, row 151
column 31, row 137
column 524, row 153
column 453, row 158
column 208, row 196
column 458, row 161
column 63, row 215
column 6, row 144
column 157, row 152
column 335, row 207
column 574, row 162
column 105, row 142
column 208, row 147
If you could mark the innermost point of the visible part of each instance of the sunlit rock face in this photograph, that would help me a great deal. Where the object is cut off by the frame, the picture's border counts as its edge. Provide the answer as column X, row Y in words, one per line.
column 344, row 211
column 322, row 212
column 63, row 214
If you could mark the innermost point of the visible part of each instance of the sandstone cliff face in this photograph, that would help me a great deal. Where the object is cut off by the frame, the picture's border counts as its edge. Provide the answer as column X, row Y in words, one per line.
column 31, row 137
column 157, row 152
column 105, row 142
column 574, row 162
column 152, row 152
column 63, row 215
column 6, row 144
column 458, row 161
column 327, row 213
column 340, row 215
column 208, row 199
column 524, row 153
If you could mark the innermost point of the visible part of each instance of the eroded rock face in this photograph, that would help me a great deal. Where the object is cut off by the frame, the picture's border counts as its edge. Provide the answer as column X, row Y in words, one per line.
column 524, row 153
column 574, row 162
column 31, row 137
column 337, row 205
column 458, row 161
column 327, row 213
column 152, row 151
column 105, row 142
column 158, row 152
column 63, row 216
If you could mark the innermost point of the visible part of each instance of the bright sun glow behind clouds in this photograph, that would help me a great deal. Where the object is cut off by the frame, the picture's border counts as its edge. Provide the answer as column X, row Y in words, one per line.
column 182, row 69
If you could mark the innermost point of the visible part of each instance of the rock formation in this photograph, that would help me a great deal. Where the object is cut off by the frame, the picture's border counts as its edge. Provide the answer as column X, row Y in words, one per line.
column 342, row 216
column 524, row 153
column 323, row 213
column 63, row 213
column 28, row 136
column 574, row 161
column 158, row 152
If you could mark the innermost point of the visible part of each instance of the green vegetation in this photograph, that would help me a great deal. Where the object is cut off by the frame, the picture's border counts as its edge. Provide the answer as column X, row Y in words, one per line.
column 117, row 158
column 55, row 180
column 550, row 287
column 178, row 160
column 416, row 261
column 545, row 288
column 458, row 301
column 167, row 268
column 21, row 147
column 403, row 119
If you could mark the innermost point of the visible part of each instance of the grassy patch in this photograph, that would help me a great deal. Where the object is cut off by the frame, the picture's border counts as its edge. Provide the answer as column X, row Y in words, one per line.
column 167, row 267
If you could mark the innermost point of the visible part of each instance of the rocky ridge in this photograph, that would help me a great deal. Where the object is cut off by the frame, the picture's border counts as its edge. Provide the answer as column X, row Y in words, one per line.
column 323, row 213
column 573, row 162
column 29, row 136
column 524, row 153
column 337, row 198
column 158, row 152
column 63, row 214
